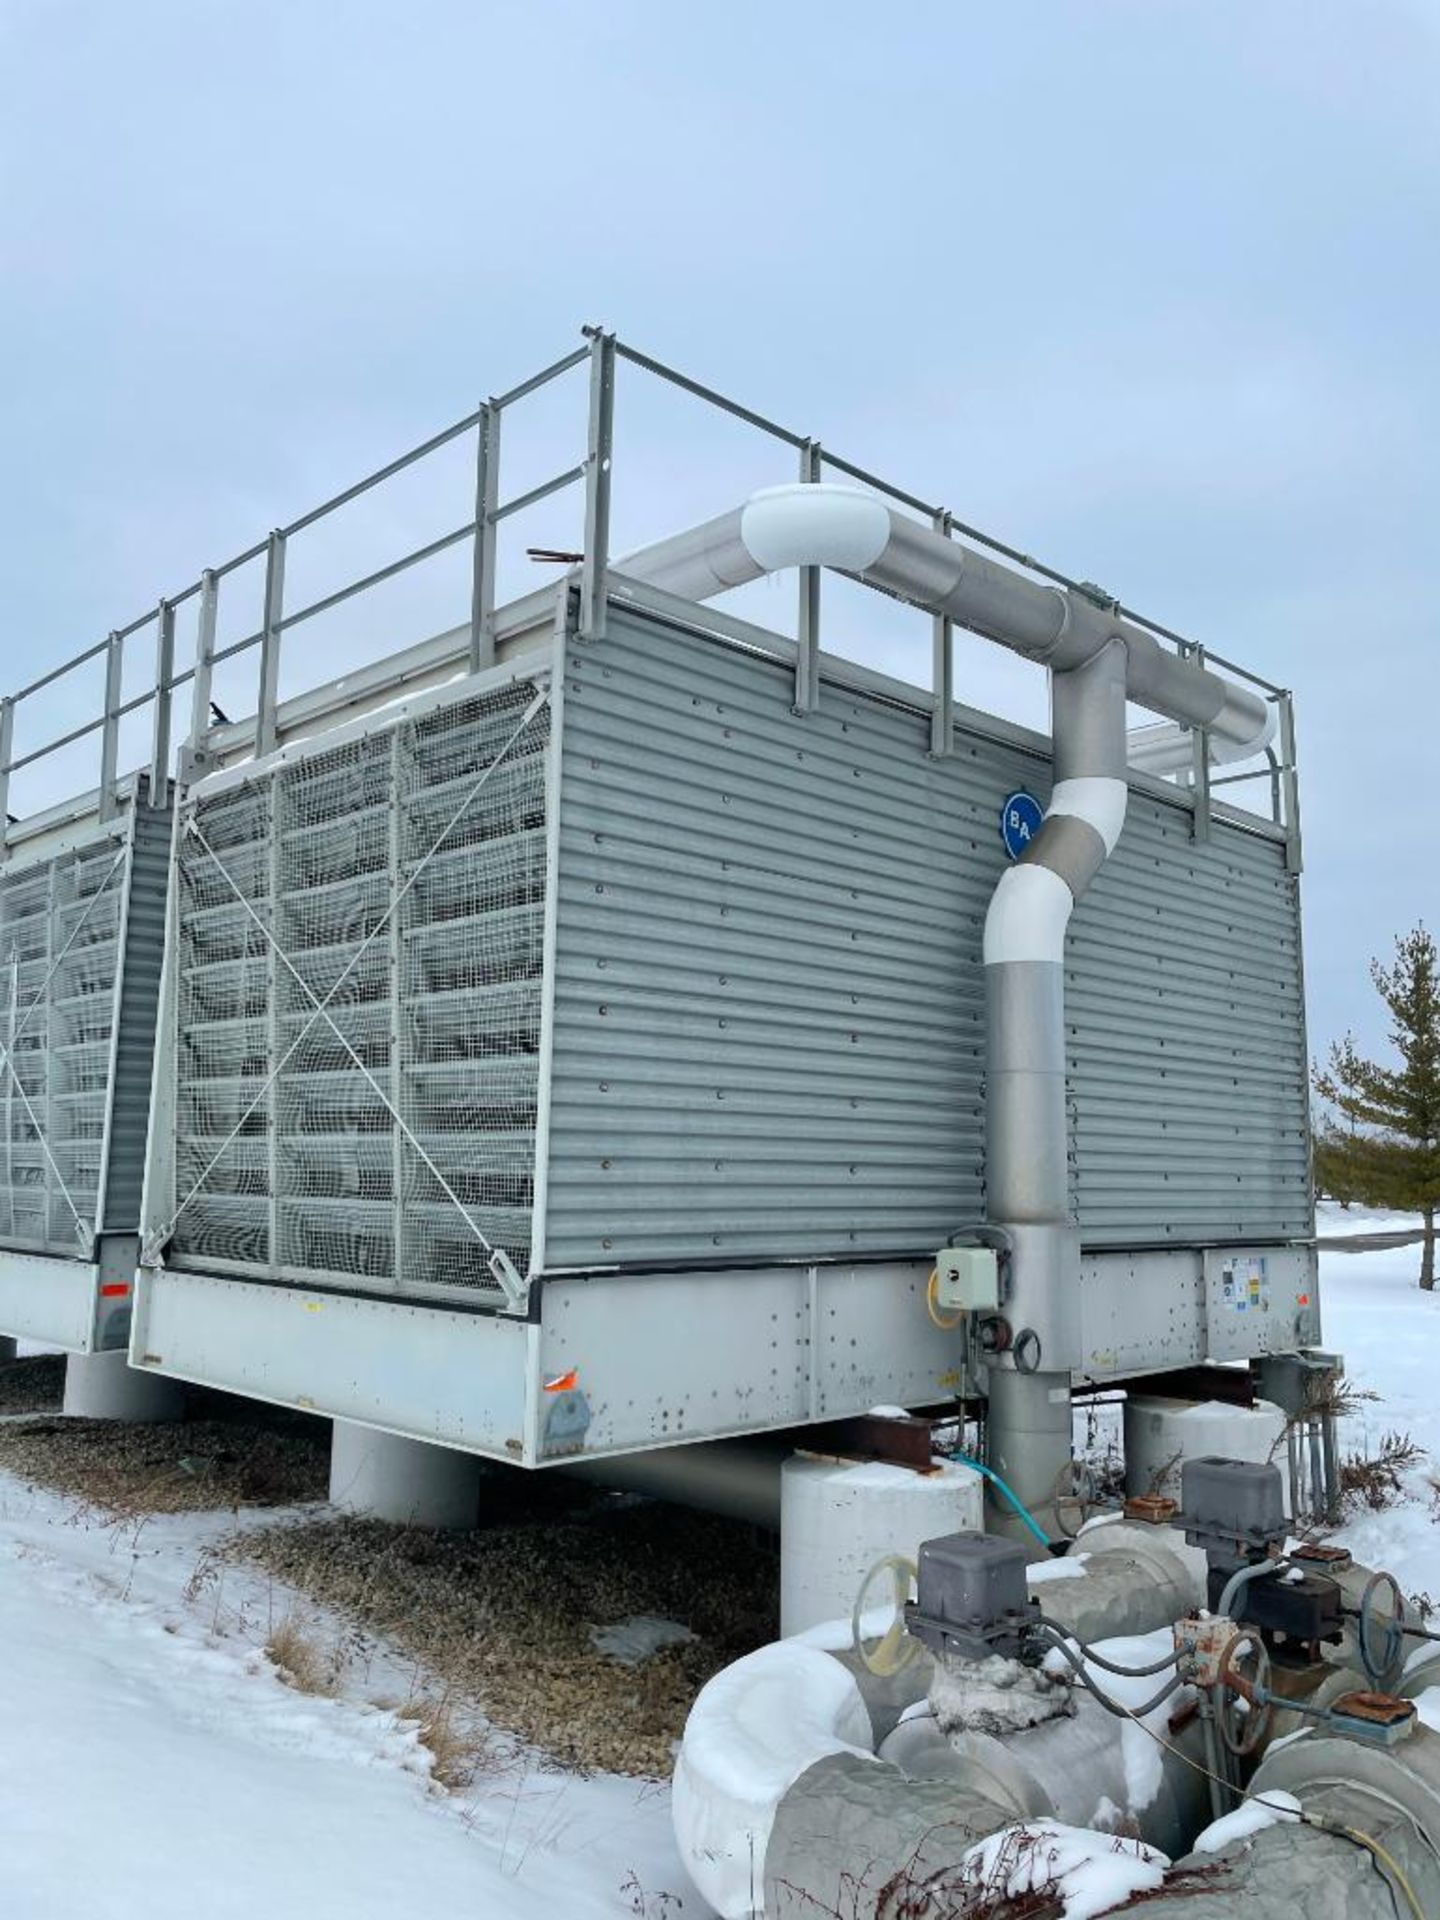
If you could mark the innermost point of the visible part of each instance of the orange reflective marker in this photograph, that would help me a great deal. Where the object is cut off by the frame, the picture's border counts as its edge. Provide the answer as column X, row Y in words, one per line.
column 564, row 1382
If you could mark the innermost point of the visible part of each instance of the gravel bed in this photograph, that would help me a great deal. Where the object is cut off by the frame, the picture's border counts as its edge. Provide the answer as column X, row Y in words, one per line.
column 504, row 1615
column 176, row 1467
column 33, row 1385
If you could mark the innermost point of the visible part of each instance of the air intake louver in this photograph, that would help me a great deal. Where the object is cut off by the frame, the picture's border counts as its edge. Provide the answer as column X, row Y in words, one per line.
column 59, row 960
column 360, row 938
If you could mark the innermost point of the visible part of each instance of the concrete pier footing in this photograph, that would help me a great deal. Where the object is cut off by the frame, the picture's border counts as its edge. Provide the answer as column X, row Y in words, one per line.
column 389, row 1478
column 104, row 1386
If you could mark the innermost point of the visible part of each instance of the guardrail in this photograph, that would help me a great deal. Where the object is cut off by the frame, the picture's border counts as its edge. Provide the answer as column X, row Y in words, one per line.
column 603, row 351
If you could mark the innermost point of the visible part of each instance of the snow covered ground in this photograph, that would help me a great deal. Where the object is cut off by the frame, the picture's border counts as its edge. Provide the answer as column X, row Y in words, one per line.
column 153, row 1764
column 1389, row 1332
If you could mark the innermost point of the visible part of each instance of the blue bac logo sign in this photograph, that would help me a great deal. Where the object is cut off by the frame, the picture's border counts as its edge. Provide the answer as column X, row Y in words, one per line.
column 1020, row 819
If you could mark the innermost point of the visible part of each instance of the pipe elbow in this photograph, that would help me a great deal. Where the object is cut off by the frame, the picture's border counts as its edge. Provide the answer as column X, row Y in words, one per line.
column 1028, row 914
column 812, row 524
column 1097, row 799
column 753, row 1730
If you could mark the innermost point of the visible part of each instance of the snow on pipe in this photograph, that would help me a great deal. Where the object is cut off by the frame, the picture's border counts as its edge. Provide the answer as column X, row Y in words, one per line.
column 1328, row 1826
column 816, row 524
column 788, row 1730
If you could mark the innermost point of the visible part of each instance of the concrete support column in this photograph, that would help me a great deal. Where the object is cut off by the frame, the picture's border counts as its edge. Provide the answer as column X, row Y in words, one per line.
column 410, row 1481
column 104, row 1386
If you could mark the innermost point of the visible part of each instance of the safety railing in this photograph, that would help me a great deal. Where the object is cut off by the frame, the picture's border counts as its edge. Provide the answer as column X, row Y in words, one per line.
column 489, row 510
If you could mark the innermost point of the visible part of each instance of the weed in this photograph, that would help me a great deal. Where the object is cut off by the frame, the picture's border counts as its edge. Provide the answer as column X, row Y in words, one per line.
column 294, row 1651
column 1376, row 1480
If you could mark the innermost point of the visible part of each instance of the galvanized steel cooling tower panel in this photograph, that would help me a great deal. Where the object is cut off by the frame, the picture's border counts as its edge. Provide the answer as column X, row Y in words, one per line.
column 359, row 934
column 769, row 1004
column 1188, row 1070
column 81, row 940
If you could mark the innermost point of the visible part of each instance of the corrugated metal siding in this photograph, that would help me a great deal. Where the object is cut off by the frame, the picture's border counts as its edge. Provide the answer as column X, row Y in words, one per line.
column 72, row 927
column 1187, row 1041
column 769, row 997
column 139, row 1002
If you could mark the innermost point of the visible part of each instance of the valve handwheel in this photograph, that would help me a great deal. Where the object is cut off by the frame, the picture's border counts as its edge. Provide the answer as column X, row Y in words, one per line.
column 1244, row 1709
column 1383, row 1666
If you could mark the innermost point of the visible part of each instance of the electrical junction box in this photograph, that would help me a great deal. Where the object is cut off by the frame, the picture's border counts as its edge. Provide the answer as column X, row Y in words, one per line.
column 968, row 1279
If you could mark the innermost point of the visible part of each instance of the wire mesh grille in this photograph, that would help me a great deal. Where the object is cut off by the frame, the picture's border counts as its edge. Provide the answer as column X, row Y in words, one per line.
column 59, row 959
column 360, row 956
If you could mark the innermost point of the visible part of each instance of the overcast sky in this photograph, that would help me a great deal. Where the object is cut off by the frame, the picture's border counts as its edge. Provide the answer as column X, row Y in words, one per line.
column 1149, row 289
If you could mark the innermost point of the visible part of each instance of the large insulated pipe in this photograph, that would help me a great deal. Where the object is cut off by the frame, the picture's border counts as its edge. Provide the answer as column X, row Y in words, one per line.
column 1362, row 1841
column 789, row 1734
column 1097, row 660
column 814, row 525
column 1027, row 1136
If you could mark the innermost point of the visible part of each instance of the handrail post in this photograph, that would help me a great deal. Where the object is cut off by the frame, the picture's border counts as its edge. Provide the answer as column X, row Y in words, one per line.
column 269, row 694
column 1200, row 768
column 487, row 499
column 599, row 453
column 807, row 628
column 942, row 668
column 110, row 728
column 1293, row 850
column 164, row 674
column 204, row 665
column 7, row 748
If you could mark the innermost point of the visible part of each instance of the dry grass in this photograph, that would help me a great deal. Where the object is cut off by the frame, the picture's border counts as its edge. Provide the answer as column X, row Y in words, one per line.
column 501, row 1617
column 1375, row 1481
column 295, row 1651
column 457, row 1754
column 127, row 1470
column 33, row 1385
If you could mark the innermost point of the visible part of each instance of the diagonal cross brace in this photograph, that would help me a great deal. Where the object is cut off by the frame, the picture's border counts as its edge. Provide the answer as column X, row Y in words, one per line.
column 499, row 1262
column 84, row 1230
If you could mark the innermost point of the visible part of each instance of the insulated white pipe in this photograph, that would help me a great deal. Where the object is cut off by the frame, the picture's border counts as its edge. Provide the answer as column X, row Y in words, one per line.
column 1167, row 748
column 812, row 524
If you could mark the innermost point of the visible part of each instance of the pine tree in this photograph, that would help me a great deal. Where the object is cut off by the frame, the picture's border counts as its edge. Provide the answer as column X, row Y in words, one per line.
column 1387, row 1154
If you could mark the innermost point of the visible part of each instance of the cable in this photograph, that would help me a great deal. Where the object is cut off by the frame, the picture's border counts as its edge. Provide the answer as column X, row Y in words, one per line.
column 1100, row 1660
column 1062, row 1647
column 989, row 1473
column 1386, row 1862
column 1242, row 1578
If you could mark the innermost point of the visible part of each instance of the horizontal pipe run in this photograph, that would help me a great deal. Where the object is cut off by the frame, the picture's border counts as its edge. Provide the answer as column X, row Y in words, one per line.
column 856, row 533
